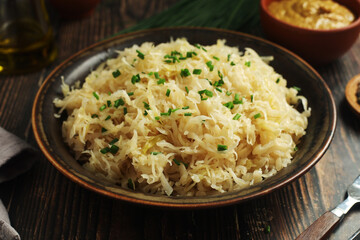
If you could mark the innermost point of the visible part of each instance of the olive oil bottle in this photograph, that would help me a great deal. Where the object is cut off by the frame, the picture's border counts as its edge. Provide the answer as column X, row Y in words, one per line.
column 26, row 37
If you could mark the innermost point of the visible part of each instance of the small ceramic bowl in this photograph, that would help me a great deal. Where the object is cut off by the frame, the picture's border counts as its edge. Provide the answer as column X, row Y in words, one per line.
column 316, row 46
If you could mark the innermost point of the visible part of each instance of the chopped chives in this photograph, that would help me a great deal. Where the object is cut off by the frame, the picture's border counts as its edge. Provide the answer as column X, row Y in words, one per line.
column 296, row 88
column 296, row 148
column 237, row 100
column 113, row 141
column 197, row 71
column 252, row 98
column 187, row 107
column 155, row 153
column 277, row 80
column 103, row 130
column 209, row 81
column 146, row 105
column 109, row 93
column 130, row 93
column 116, row 73
column 168, row 92
column 178, row 162
column 218, row 89
column 140, row 54
column 114, row 149
column 221, row 147
column 167, row 61
column 204, row 98
column 229, row 105
column 237, row 116
column 96, row 95
column 145, row 113
column 248, row 63
column 257, row 115
column 197, row 46
column 108, row 117
column 228, row 57
column 190, row 54
column 187, row 89
column 156, row 74
column 185, row 72
column 204, row 49
column 94, row 116
column 210, row 65
column 161, row 81
column 105, row 150
column 125, row 110
column 150, row 73
column 207, row 93
column 187, row 114
column 165, row 114
column 119, row 102
column 108, row 103
column 216, row 58
column 157, row 118
column 228, row 93
column 102, row 107
column 232, row 63
column 135, row 79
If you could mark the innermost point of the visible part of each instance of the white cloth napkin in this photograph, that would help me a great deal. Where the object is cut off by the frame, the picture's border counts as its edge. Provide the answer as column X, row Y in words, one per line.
column 16, row 157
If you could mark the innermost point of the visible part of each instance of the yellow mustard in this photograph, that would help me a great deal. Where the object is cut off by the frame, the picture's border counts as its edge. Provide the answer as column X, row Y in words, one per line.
column 313, row 14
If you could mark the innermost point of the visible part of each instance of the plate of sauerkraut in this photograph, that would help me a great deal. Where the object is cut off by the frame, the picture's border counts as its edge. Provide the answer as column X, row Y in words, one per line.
column 184, row 117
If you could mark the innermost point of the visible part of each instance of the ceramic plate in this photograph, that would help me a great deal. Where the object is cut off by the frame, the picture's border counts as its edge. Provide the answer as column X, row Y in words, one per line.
column 313, row 145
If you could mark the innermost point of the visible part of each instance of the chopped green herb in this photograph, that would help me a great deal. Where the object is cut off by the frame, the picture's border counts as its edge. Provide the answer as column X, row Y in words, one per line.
column 168, row 61
column 102, row 107
column 228, row 57
column 173, row 53
column 190, row 54
column 114, row 149
column 278, row 80
column 131, row 184
column 125, row 110
column 150, row 73
column 109, row 93
column 257, row 115
column 113, row 141
column 185, row 72
column 296, row 88
column 187, row 89
column 135, row 79
column 187, row 114
column 130, row 93
column 252, row 98
column 146, row 106
column 156, row 74
column 174, row 58
column 108, row 117
column 178, row 162
column 219, row 83
column 155, row 153
column 232, row 63
column 161, row 81
column 94, row 116
column 228, row 93
column 103, row 130
column 237, row 100
column 165, row 114
column 207, row 93
column 204, row 49
column 119, row 102
column 108, row 103
column 96, row 95
column 209, row 81
column 218, row 89
column 168, row 92
column 197, row 46
column 237, row 116
column 197, row 71
column 229, row 105
column 296, row 148
column 222, row 147
column 116, row 73
column 140, row 54
column 216, row 58
column 145, row 113
column 157, row 118
column 187, row 107
column 105, row 150
column 210, row 65
column 248, row 63
column 267, row 229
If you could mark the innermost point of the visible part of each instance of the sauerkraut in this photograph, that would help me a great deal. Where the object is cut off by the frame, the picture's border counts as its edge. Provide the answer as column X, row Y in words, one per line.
column 183, row 119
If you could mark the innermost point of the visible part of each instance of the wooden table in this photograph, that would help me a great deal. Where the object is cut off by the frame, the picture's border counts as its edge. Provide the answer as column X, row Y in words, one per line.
column 43, row 204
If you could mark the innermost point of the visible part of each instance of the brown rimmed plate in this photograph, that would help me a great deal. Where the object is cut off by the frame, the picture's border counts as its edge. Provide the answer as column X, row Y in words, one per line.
column 47, row 128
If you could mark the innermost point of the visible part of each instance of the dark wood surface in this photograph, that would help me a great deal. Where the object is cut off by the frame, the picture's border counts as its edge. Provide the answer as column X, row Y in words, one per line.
column 43, row 204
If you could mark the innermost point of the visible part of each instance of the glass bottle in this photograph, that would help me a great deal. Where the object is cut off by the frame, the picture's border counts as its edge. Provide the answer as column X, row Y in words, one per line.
column 26, row 36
